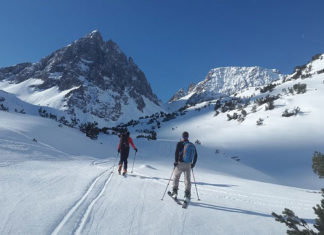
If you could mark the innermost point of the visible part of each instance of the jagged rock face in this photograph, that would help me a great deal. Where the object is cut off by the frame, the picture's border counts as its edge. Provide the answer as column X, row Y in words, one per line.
column 226, row 81
column 180, row 93
column 191, row 87
column 101, row 77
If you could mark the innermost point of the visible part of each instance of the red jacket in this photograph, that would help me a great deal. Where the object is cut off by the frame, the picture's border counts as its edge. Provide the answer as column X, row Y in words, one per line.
column 129, row 141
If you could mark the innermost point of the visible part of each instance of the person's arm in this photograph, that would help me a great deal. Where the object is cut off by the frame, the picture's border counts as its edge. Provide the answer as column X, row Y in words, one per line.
column 118, row 147
column 131, row 142
column 176, row 154
column 195, row 157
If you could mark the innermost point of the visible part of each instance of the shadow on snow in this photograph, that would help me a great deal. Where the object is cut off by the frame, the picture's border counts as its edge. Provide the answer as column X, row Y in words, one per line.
column 198, row 183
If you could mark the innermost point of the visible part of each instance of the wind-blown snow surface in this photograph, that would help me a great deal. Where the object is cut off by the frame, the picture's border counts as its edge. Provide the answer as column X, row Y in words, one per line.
column 64, row 184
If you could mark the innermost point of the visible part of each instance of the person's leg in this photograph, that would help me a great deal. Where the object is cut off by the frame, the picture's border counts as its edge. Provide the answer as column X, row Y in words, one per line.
column 125, row 159
column 176, row 178
column 187, row 179
column 120, row 164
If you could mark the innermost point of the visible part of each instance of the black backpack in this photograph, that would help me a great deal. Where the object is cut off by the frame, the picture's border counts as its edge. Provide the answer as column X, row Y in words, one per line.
column 124, row 140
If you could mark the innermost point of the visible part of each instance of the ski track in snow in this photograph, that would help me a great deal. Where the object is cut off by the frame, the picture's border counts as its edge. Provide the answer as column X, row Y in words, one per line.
column 88, row 210
column 103, row 163
column 184, row 216
column 78, row 216
column 74, row 221
column 136, row 215
column 98, row 163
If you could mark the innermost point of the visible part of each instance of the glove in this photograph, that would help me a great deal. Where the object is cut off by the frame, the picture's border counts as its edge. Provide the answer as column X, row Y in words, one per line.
column 175, row 164
column 192, row 165
column 118, row 150
column 136, row 150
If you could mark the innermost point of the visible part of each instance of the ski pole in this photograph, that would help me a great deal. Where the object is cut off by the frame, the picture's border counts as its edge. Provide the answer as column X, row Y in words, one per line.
column 133, row 162
column 195, row 183
column 115, row 163
column 168, row 184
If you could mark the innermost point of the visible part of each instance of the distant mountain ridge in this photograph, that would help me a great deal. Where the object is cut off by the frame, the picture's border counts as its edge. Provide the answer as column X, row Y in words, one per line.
column 226, row 81
column 89, row 79
column 93, row 80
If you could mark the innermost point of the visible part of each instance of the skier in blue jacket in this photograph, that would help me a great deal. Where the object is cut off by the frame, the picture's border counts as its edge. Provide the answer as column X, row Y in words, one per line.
column 185, row 158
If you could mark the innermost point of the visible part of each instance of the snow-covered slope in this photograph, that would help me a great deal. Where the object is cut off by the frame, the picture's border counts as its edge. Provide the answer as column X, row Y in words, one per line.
column 280, row 146
column 224, row 81
column 91, row 80
column 52, row 97
column 10, row 103
column 64, row 184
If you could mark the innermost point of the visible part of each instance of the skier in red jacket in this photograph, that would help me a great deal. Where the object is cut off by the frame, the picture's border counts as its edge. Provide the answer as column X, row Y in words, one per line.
column 123, row 149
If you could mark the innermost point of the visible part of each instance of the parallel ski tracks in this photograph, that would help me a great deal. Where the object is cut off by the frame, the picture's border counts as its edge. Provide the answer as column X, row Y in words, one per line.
column 75, row 219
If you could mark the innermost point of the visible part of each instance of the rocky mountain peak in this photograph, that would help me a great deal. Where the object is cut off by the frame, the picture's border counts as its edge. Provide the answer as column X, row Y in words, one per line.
column 95, row 34
column 97, row 77
column 94, row 38
column 191, row 87
column 178, row 95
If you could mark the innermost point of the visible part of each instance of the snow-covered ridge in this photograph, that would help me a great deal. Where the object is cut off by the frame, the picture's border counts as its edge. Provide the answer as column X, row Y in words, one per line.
column 11, row 104
column 51, row 97
column 226, row 81
column 315, row 66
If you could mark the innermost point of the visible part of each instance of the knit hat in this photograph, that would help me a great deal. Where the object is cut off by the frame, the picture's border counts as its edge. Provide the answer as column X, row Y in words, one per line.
column 185, row 135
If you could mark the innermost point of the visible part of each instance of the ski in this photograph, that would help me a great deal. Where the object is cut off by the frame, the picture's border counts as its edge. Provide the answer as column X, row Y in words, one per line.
column 174, row 199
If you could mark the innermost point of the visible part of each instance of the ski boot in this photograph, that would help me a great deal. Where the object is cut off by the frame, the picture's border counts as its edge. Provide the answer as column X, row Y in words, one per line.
column 186, row 200
column 187, row 196
column 119, row 168
column 174, row 193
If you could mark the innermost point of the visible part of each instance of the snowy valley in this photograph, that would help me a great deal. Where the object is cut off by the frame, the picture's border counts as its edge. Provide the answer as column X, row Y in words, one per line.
column 64, row 184
column 255, row 130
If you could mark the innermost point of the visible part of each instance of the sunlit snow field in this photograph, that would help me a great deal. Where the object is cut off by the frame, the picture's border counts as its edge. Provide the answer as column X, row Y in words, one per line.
column 64, row 184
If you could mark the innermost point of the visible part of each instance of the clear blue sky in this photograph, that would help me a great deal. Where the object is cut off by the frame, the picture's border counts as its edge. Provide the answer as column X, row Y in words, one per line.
column 173, row 42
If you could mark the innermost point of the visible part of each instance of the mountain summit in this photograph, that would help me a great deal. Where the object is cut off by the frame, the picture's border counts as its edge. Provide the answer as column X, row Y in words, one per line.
column 89, row 79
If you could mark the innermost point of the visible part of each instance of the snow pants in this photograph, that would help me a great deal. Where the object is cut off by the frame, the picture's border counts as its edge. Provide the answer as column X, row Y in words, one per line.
column 185, row 168
column 123, row 157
